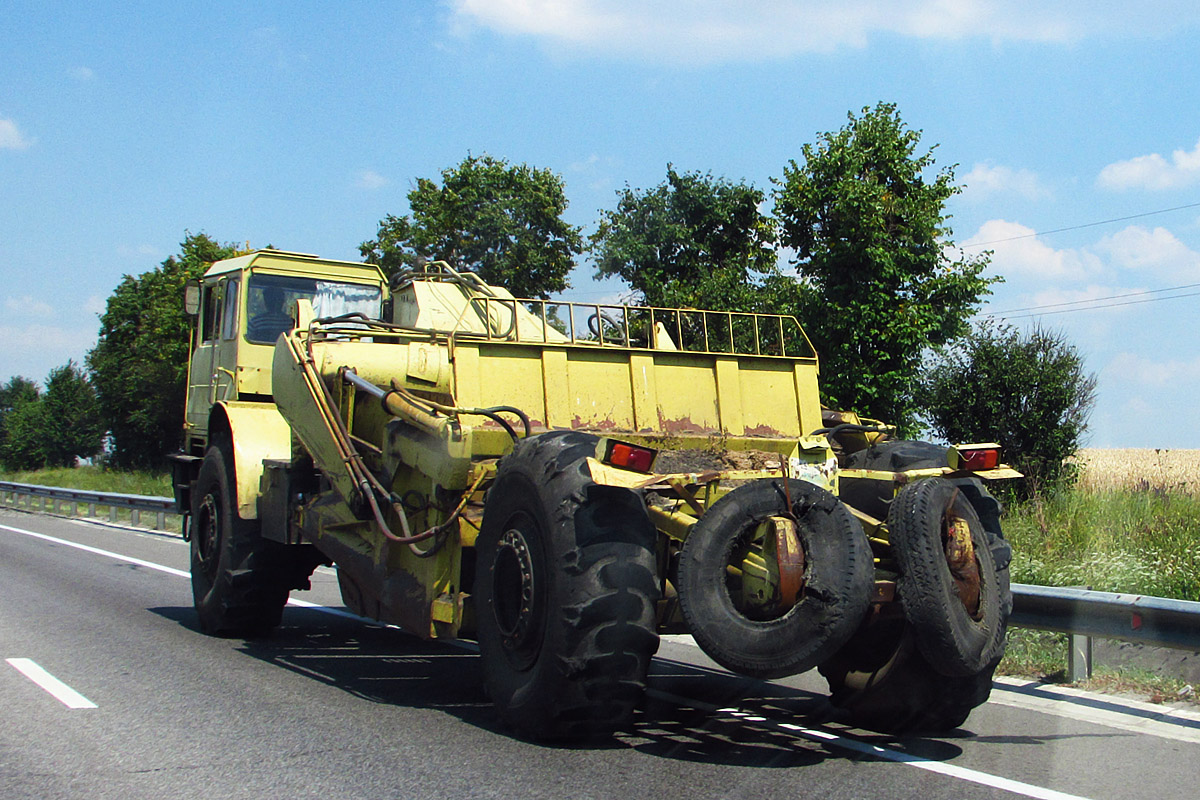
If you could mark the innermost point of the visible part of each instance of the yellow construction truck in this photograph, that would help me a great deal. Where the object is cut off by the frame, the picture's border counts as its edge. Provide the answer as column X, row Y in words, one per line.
column 564, row 482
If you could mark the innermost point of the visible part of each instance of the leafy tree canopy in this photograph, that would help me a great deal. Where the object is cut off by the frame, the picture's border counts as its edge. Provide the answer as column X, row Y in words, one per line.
column 139, row 364
column 693, row 241
column 1028, row 391
column 17, row 391
column 502, row 221
column 868, row 227
column 16, row 424
column 51, row 429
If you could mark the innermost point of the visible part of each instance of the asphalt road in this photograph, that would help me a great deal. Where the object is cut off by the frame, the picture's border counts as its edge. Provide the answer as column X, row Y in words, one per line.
column 332, row 707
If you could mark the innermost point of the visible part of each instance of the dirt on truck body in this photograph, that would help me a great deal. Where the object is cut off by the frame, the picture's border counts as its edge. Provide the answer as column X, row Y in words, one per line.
column 563, row 482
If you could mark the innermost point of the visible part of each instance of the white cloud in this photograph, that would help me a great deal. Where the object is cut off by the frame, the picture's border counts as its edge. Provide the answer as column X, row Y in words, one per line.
column 986, row 180
column 83, row 74
column 370, row 180
column 1139, row 370
column 28, row 306
column 1157, row 251
column 717, row 30
column 1059, row 299
column 34, row 350
column 1153, row 171
column 139, row 252
column 11, row 137
column 1017, row 252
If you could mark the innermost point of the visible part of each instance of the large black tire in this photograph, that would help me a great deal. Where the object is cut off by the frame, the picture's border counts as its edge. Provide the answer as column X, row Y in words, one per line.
column 955, row 607
column 880, row 678
column 565, row 593
column 837, row 580
column 883, row 683
column 240, row 581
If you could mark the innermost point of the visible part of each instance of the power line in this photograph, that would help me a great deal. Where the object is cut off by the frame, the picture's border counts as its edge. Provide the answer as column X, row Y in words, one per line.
column 1102, row 299
column 1080, row 227
column 1101, row 307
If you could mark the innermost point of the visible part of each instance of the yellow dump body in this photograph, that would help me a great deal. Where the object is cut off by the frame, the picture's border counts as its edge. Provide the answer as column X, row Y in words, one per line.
column 622, row 369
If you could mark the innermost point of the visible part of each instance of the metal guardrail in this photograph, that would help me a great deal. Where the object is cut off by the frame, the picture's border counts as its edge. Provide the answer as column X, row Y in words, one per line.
column 58, row 500
column 1133, row 618
column 1082, row 613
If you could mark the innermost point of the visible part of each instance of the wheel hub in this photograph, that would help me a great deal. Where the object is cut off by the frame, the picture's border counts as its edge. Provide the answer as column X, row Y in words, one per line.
column 514, row 590
column 208, row 534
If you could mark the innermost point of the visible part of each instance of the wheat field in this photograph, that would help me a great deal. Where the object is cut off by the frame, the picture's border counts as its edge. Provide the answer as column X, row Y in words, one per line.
column 1139, row 469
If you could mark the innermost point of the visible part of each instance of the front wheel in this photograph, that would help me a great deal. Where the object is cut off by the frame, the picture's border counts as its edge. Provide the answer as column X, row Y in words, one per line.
column 565, row 593
column 238, row 587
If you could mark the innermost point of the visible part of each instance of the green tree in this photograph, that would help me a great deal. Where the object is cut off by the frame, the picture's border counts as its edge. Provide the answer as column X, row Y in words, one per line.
column 19, row 446
column 693, row 241
column 867, row 222
column 71, row 424
column 17, row 391
column 502, row 221
column 1027, row 391
column 139, row 364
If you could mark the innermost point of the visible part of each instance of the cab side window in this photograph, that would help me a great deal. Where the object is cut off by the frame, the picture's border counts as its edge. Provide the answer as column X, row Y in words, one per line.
column 229, row 316
column 208, row 313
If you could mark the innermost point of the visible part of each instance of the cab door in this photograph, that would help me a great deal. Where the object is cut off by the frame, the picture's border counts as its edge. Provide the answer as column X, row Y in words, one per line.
column 214, row 353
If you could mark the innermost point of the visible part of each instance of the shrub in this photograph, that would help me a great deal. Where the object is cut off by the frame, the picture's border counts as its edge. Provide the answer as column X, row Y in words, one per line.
column 1028, row 391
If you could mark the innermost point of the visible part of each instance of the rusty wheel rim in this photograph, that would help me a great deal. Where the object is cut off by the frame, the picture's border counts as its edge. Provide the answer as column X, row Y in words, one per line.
column 960, row 558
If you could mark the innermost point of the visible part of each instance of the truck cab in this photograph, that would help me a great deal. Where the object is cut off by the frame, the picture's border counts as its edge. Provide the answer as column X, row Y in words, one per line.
column 241, row 307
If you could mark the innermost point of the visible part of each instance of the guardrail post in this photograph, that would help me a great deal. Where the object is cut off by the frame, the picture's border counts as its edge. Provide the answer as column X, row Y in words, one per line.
column 1079, row 658
column 112, row 513
column 160, row 520
column 135, row 517
column 91, row 512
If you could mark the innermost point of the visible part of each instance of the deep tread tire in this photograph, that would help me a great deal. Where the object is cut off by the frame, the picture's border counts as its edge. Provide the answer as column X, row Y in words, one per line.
column 954, row 640
column 565, row 593
column 838, row 577
column 240, row 581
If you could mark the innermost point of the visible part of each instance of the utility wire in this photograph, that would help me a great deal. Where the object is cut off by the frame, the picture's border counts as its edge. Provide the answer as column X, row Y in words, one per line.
column 1097, row 308
column 1102, row 299
column 1080, row 227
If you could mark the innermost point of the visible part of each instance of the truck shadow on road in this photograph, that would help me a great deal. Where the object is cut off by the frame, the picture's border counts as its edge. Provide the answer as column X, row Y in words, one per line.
column 681, row 719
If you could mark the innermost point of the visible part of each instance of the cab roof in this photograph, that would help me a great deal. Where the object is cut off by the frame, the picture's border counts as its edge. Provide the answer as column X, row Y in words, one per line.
column 304, row 263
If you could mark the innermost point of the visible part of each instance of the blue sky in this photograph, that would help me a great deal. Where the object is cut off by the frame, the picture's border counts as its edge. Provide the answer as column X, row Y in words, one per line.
column 301, row 124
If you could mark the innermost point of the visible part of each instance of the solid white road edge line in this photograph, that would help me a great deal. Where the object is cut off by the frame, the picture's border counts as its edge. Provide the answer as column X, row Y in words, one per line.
column 1110, row 711
column 865, row 748
column 63, row 693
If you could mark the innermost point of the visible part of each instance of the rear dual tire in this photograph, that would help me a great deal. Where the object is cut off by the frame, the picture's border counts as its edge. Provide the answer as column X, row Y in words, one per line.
column 924, row 670
column 837, row 580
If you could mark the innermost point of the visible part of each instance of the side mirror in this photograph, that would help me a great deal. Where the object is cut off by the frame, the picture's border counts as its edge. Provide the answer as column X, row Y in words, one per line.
column 191, row 298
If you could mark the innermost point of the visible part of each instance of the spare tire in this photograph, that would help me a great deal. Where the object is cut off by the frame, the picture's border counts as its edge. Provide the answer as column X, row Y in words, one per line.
column 949, row 588
column 835, row 590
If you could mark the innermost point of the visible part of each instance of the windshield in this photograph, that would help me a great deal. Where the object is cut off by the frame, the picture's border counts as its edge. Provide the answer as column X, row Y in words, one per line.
column 270, row 299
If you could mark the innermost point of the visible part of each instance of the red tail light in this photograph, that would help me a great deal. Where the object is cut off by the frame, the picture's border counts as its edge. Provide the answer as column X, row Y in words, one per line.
column 630, row 456
column 979, row 460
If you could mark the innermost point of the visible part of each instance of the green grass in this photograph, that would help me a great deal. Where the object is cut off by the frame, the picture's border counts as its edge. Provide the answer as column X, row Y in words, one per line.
column 1124, row 540
column 96, row 479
